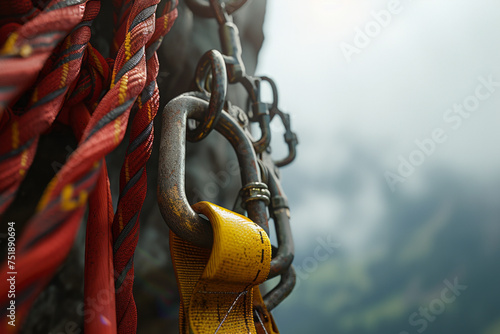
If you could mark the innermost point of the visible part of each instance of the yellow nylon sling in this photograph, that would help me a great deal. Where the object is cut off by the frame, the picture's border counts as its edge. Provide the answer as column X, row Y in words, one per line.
column 219, row 287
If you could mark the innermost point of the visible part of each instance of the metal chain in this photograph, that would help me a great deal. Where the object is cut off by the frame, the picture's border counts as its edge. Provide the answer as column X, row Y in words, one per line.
column 261, row 191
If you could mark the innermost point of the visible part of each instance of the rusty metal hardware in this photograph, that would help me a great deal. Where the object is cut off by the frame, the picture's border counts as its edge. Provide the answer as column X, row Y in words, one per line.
column 261, row 190
column 281, row 263
column 287, row 282
column 204, row 8
column 289, row 136
column 258, row 112
column 274, row 105
column 254, row 191
column 232, row 51
column 280, row 213
column 211, row 60
column 173, row 203
column 231, row 48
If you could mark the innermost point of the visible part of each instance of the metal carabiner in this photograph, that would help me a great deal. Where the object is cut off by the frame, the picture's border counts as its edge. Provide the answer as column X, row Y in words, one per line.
column 287, row 282
column 281, row 263
column 259, row 112
column 173, row 204
column 280, row 213
column 289, row 136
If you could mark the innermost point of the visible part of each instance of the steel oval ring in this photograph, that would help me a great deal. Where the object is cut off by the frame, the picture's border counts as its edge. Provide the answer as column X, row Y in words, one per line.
column 204, row 9
column 172, row 200
column 213, row 60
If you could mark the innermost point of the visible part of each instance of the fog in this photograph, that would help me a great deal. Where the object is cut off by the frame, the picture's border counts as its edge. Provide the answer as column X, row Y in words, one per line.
column 395, row 105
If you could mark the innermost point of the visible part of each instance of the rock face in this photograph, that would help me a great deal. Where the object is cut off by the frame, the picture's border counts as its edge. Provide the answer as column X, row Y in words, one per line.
column 59, row 308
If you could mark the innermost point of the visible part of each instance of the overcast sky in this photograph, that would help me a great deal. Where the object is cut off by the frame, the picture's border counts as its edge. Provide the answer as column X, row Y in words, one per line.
column 395, row 88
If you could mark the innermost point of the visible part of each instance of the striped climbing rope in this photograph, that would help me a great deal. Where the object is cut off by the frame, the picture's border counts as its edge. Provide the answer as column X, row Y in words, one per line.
column 133, row 180
column 50, row 72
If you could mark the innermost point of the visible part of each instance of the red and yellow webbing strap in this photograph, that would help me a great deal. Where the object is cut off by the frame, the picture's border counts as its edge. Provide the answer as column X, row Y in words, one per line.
column 218, row 286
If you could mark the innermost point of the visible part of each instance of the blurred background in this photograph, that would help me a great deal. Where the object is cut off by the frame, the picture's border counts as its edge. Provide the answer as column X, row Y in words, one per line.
column 395, row 193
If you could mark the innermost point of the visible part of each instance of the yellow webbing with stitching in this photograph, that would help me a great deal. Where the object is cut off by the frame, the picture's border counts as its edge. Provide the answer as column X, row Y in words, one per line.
column 219, row 287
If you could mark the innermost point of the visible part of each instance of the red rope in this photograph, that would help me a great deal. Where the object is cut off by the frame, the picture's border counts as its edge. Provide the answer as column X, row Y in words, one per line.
column 65, row 79
column 133, row 184
column 21, row 59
